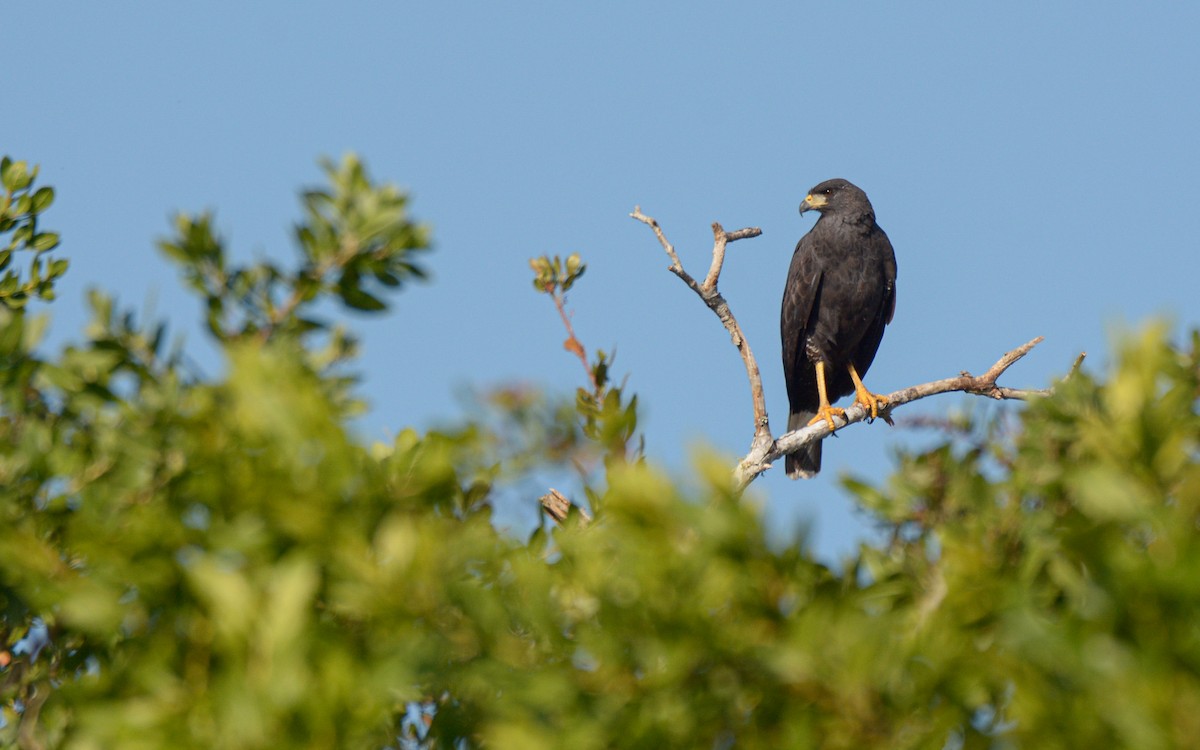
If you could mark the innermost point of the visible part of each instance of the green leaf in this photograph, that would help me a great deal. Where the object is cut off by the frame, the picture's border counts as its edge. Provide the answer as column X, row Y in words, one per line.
column 17, row 176
column 22, row 235
column 42, row 199
column 413, row 270
column 44, row 241
column 356, row 298
column 387, row 279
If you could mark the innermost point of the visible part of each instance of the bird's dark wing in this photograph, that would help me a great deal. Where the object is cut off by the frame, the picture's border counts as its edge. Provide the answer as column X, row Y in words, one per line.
column 889, row 304
column 879, row 249
column 800, row 298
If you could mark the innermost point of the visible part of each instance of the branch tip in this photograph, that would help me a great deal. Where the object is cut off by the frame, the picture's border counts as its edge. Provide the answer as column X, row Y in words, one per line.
column 1078, row 363
column 558, row 507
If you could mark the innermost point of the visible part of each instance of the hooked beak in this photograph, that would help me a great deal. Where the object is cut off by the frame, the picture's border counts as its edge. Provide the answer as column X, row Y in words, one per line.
column 811, row 202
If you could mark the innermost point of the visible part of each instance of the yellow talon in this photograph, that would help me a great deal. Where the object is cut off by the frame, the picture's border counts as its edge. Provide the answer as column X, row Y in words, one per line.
column 873, row 402
column 826, row 414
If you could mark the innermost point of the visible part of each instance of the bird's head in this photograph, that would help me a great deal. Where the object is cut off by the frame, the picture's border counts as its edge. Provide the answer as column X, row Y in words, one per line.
column 837, row 196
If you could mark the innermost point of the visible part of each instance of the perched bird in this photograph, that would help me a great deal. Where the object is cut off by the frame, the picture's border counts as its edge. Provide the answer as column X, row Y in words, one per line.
column 840, row 293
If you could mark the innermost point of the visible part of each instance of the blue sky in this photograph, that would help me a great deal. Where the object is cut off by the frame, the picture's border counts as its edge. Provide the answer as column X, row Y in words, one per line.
column 1032, row 162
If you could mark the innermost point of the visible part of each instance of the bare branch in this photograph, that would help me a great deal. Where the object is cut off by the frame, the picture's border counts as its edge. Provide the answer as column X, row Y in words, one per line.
column 1075, row 367
column 743, row 234
column 715, row 302
column 718, row 259
column 757, row 462
column 720, row 239
column 558, row 507
column 676, row 267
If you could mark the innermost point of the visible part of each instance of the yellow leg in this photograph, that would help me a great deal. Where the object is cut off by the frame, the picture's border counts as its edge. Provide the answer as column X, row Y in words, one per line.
column 872, row 401
column 825, row 411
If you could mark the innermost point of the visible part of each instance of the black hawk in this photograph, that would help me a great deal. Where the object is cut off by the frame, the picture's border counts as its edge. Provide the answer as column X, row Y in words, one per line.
column 841, row 292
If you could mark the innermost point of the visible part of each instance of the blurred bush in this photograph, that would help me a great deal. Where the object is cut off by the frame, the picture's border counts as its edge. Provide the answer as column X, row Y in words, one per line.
column 220, row 563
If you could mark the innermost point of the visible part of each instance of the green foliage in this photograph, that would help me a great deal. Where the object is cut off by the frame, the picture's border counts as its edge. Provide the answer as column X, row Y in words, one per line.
column 191, row 563
column 1067, row 588
column 355, row 236
column 605, row 416
column 20, row 207
column 552, row 275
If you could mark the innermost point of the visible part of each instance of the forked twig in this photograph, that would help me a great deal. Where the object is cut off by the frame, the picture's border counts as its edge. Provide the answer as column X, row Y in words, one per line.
column 715, row 302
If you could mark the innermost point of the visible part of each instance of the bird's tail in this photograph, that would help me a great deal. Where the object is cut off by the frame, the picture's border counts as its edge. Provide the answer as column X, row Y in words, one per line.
column 806, row 462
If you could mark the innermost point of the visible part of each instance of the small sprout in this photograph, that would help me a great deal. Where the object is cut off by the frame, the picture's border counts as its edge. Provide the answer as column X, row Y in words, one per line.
column 551, row 274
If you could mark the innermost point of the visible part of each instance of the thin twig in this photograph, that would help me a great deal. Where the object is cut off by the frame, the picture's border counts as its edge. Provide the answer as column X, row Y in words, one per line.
column 715, row 302
column 1075, row 367
column 676, row 267
column 573, row 344
column 720, row 239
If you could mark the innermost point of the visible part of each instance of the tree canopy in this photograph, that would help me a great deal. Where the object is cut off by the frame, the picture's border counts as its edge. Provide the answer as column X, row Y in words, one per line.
column 191, row 561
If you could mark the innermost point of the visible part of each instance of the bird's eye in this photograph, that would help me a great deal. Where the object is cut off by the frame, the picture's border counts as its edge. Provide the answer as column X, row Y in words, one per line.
column 827, row 191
